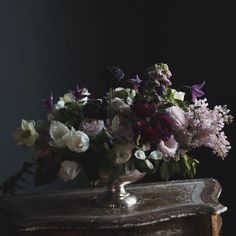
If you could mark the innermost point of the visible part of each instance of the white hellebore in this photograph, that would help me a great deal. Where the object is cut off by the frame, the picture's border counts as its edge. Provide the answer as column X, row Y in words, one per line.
column 26, row 134
column 58, row 132
column 178, row 95
column 77, row 141
column 69, row 170
column 154, row 155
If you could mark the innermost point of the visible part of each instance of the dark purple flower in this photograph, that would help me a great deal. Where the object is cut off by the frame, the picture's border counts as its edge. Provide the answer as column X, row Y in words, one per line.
column 196, row 91
column 135, row 82
column 48, row 102
column 112, row 76
column 144, row 109
column 162, row 123
column 95, row 108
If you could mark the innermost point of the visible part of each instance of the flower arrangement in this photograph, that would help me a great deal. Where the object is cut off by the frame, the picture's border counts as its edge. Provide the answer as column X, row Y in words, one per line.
column 140, row 122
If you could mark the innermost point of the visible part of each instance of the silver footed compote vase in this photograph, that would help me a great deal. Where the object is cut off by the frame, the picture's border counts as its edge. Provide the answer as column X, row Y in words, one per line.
column 115, row 194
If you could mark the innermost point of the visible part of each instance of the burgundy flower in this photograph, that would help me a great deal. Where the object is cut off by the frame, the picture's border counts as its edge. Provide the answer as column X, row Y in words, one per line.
column 144, row 109
column 148, row 133
column 48, row 102
column 196, row 91
column 161, row 122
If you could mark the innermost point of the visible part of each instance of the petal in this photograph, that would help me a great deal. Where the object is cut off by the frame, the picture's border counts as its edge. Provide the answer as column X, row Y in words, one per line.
column 149, row 164
column 139, row 154
column 156, row 155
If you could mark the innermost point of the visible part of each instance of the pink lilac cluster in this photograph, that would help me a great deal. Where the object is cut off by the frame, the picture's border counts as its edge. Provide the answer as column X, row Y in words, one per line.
column 204, row 127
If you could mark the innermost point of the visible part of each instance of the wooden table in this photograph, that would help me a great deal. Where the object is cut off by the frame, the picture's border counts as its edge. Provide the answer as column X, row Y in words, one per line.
column 185, row 208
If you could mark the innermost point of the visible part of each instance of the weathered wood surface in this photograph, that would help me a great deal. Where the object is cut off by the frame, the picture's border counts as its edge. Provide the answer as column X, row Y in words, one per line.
column 71, row 210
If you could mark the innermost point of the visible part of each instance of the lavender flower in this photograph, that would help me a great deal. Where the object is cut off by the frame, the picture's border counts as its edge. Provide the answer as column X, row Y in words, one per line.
column 136, row 82
column 196, row 91
column 160, row 73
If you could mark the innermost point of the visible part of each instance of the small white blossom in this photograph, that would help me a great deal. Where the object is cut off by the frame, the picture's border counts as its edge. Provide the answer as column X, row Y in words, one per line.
column 178, row 94
column 69, row 170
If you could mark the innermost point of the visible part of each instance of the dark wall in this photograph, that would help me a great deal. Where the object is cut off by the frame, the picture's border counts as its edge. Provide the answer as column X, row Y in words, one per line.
column 54, row 45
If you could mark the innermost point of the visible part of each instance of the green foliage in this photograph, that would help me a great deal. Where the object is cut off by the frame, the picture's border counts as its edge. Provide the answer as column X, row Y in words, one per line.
column 186, row 166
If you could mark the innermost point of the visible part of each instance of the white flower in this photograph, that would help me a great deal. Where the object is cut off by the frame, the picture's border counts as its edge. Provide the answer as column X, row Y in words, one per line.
column 84, row 92
column 59, row 105
column 69, row 170
column 58, row 132
column 178, row 95
column 77, row 141
column 68, row 97
column 178, row 117
column 120, row 153
column 168, row 148
column 155, row 155
column 92, row 127
column 26, row 134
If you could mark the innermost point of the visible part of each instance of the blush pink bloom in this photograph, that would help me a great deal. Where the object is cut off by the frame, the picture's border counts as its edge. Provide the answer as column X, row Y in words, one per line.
column 168, row 148
column 177, row 116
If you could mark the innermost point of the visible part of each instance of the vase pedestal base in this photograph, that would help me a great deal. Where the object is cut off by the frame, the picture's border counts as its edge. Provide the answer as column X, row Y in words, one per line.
column 117, row 197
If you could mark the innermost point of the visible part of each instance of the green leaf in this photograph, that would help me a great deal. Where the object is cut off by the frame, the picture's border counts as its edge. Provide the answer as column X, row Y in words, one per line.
column 115, row 123
column 181, row 104
column 166, row 171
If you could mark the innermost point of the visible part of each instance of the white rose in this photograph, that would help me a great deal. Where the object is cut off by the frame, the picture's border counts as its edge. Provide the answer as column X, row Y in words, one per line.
column 77, row 141
column 168, row 148
column 178, row 95
column 58, row 132
column 177, row 116
column 92, row 127
column 69, row 170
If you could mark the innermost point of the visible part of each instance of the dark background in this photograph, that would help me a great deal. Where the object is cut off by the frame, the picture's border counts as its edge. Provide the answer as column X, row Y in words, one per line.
column 51, row 45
